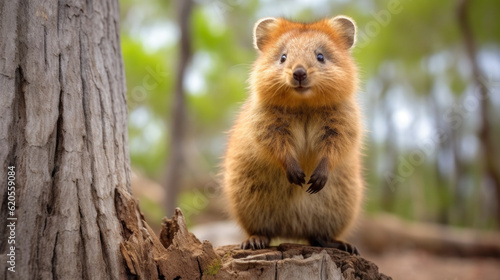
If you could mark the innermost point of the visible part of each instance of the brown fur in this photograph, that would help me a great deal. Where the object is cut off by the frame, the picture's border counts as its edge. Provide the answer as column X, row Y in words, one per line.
column 281, row 132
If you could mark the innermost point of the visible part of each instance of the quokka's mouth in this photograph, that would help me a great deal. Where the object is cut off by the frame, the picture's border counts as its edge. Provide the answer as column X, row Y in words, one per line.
column 301, row 89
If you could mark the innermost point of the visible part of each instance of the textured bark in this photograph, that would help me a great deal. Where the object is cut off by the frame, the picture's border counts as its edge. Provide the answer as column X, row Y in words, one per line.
column 63, row 125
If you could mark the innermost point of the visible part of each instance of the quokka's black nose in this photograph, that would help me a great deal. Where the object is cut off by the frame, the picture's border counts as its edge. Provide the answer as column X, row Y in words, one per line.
column 300, row 74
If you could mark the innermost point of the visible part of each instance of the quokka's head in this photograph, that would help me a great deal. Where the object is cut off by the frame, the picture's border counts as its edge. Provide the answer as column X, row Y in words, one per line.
column 304, row 64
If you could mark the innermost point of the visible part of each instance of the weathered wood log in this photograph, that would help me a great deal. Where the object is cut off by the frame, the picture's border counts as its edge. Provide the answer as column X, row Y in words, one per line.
column 390, row 233
column 178, row 254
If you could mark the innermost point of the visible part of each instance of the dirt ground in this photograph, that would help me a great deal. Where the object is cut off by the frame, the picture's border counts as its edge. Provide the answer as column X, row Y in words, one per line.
column 420, row 265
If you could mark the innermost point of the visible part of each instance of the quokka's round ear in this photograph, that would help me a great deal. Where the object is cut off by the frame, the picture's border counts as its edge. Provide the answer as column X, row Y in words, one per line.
column 347, row 28
column 261, row 30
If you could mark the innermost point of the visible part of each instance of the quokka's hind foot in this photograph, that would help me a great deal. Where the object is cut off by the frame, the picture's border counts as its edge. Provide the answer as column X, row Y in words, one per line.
column 337, row 244
column 255, row 242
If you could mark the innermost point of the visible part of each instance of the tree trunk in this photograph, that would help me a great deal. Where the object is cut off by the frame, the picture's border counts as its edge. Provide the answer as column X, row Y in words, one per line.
column 176, row 161
column 63, row 127
column 491, row 166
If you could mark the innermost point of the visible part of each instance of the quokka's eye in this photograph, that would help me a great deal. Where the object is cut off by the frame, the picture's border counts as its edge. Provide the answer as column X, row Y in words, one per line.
column 320, row 57
column 283, row 58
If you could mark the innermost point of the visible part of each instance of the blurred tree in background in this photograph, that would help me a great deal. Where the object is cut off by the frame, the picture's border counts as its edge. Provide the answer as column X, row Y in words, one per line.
column 426, row 155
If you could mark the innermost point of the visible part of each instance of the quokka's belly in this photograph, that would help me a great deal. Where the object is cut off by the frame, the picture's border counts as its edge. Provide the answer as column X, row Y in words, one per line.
column 276, row 208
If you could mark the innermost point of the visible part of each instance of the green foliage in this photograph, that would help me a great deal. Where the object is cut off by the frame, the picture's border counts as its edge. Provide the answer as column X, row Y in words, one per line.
column 148, row 85
column 151, row 210
column 483, row 15
column 192, row 202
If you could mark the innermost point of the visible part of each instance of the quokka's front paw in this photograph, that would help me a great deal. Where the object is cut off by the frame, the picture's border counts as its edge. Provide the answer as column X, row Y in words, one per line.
column 318, row 178
column 294, row 173
column 255, row 242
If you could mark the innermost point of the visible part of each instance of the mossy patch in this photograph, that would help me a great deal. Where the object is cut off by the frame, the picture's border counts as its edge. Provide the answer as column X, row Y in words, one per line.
column 213, row 268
